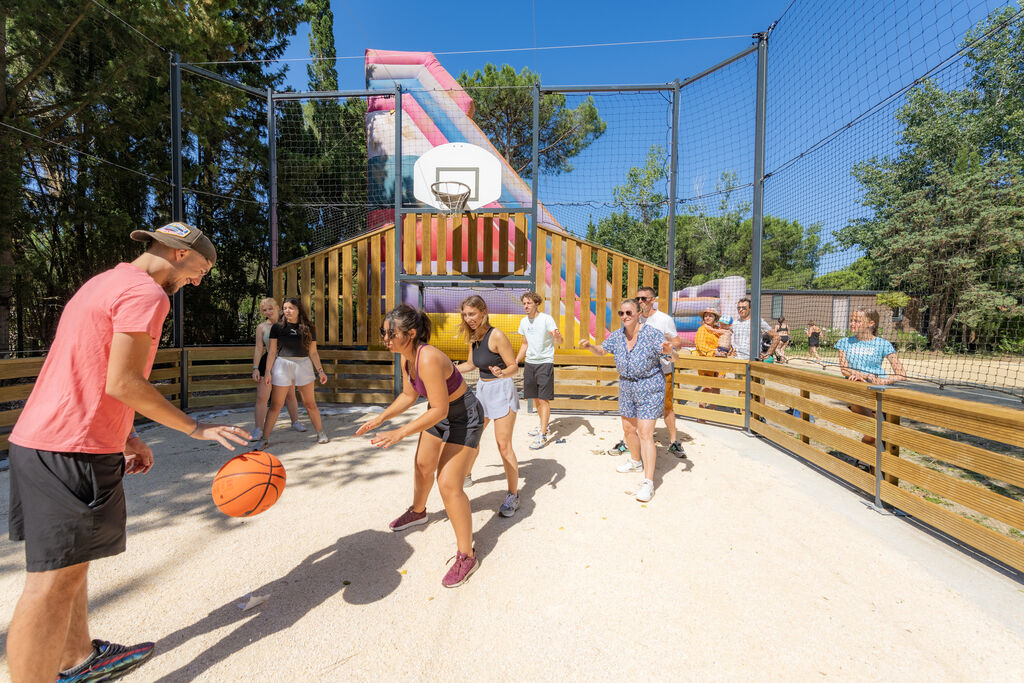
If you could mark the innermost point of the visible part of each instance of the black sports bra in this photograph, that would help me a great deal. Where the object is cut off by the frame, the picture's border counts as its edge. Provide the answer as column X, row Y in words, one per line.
column 484, row 358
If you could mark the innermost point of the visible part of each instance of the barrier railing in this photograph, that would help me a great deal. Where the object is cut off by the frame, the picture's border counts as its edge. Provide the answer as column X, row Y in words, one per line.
column 953, row 464
column 478, row 244
column 219, row 376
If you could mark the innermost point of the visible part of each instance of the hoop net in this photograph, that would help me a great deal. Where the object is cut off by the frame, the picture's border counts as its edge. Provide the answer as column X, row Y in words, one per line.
column 452, row 195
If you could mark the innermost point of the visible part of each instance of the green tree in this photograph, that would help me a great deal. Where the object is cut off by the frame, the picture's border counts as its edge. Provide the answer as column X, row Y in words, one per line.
column 503, row 108
column 86, row 89
column 860, row 275
column 947, row 220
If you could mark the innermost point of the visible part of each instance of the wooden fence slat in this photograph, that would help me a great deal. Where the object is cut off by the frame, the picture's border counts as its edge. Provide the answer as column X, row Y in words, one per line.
column 840, row 416
column 444, row 224
column 376, row 293
column 602, row 295
column 556, row 280
column 503, row 244
column 980, row 419
column 409, row 239
column 292, row 281
column 347, row 321
column 332, row 297
column 307, row 283
column 457, row 244
column 23, row 367
column 319, row 310
column 389, row 270
column 563, row 389
column 693, row 380
column 597, row 374
column 631, row 270
column 584, row 404
column 616, row 281
column 362, row 276
column 570, row 294
column 488, row 244
column 542, row 251
column 585, row 294
column 473, row 255
column 720, row 416
column 844, row 470
column 520, row 246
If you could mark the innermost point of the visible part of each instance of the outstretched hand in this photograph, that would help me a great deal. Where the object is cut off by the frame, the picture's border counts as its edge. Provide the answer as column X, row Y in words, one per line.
column 369, row 426
column 222, row 434
column 389, row 438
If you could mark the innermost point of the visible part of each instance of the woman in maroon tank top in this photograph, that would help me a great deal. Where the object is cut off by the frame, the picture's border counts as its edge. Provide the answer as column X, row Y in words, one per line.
column 449, row 431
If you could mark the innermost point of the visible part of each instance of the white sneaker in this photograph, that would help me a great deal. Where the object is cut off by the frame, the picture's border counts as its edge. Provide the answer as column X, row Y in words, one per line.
column 298, row 426
column 257, row 434
column 535, row 431
column 630, row 465
column 539, row 441
column 321, row 436
column 645, row 491
column 468, row 481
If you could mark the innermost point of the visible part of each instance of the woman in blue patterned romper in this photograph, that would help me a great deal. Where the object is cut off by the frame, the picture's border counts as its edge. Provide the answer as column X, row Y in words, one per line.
column 637, row 350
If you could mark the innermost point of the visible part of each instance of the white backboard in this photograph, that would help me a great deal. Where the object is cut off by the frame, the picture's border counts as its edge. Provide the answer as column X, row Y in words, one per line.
column 459, row 161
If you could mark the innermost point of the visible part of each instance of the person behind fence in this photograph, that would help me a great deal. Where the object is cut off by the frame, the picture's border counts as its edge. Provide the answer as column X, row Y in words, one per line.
column 74, row 442
column 706, row 342
column 861, row 356
column 782, row 334
column 272, row 314
column 293, row 361
column 813, row 339
column 540, row 334
column 724, row 349
column 637, row 350
column 449, row 431
column 491, row 354
column 741, row 329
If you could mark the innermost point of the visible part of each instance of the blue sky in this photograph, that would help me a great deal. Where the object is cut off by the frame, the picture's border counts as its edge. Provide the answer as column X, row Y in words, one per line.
column 829, row 63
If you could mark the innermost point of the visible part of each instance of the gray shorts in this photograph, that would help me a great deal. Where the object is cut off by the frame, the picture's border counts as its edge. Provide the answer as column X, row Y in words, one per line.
column 68, row 507
column 498, row 397
column 539, row 381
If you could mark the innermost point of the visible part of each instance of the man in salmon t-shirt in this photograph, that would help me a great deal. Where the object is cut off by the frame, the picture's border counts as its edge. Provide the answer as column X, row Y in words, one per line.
column 74, row 442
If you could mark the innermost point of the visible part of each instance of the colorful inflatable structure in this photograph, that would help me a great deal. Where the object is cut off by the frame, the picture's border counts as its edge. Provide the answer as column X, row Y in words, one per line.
column 437, row 111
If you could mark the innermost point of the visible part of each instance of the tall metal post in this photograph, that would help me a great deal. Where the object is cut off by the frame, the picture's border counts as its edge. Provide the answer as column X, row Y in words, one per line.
column 178, row 214
column 673, row 175
column 758, row 215
column 398, row 221
column 272, row 162
column 535, row 185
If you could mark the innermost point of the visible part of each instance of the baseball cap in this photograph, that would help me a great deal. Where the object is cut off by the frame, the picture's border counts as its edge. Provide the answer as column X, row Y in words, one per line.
column 725, row 320
column 178, row 235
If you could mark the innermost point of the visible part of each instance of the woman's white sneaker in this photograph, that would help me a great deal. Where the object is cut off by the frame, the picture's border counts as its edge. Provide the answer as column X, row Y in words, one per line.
column 645, row 491
column 630, row 465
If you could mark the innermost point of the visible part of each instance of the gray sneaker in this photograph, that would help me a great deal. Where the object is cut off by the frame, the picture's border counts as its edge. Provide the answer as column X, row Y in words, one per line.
column 509, row 507
column 677, row 449
column 538, row 442
column 468, row 481
column 321, row 437
column 298, row 426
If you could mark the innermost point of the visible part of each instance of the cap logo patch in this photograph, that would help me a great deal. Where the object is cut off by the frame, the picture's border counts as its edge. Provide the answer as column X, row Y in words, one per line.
column 176, row 229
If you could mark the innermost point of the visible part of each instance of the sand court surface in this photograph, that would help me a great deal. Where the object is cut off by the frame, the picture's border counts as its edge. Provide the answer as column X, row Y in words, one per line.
column 747, row 564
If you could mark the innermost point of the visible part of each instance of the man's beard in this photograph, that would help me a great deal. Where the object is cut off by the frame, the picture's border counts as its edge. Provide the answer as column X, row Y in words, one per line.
column 171, row 288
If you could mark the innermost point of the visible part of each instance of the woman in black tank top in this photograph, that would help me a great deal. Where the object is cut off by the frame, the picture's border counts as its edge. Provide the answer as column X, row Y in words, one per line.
column 491, row 353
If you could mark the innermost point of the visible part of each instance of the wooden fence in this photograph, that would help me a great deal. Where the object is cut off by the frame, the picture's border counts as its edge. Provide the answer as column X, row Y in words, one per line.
column 219, row 376
column 612, row 277
column 438, row 244
column 346, row 288
column 953, row 464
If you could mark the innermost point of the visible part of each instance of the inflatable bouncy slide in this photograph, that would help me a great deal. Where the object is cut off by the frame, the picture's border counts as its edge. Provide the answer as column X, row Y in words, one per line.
column 437, row 112
column 721, row 295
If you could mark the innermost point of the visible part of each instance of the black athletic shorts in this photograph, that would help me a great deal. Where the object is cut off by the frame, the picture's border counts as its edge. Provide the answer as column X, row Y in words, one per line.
column 464, row 424
column 539, row 381
column 68, row 507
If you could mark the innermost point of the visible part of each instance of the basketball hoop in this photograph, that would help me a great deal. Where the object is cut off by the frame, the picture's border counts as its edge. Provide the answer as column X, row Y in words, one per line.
column 451, row 195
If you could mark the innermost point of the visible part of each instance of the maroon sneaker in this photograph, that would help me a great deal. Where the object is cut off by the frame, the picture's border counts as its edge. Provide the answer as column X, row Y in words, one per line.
column 460, row 571
column 408, row 519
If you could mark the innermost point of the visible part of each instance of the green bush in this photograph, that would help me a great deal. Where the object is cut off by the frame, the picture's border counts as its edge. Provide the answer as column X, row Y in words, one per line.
column 911, row 341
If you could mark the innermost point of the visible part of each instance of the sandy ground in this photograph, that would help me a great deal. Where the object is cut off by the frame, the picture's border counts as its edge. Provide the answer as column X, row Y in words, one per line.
column 747, row 564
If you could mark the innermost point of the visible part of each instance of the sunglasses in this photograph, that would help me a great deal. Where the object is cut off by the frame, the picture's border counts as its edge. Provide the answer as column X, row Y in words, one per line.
column 626, row 313
column 643, row 298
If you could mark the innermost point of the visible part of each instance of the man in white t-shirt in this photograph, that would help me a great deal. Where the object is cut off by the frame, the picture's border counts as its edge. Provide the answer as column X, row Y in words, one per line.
column 664, row 323
column 741, row 329
column 540, row 334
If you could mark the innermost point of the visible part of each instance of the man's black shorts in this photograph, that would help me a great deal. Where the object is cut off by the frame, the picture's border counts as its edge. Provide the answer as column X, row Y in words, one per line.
column 539, row 381
column 68, row 507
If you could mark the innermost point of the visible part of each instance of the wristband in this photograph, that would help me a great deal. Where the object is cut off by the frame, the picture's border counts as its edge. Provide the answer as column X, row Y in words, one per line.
column 194, row 429
column 255, row 368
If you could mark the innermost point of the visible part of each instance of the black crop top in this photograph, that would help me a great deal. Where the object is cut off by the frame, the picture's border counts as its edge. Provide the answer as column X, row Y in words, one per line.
column 484, row 358
column 289, row 340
